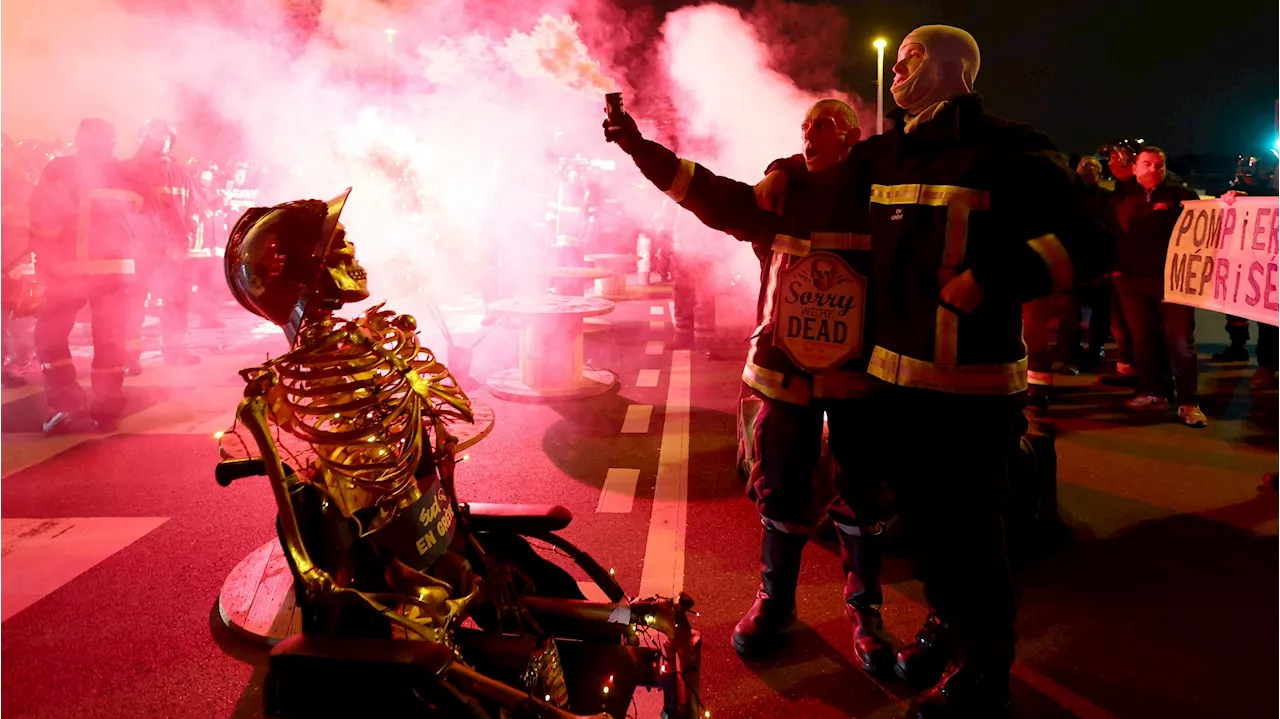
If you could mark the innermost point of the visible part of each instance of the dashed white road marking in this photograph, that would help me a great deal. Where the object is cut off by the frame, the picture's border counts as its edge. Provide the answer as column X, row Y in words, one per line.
column 41, row 555
column 663, row 572
column 653, row 347
column 648, row 378
column 637, row 420
column 657, row 309
column 619, row 491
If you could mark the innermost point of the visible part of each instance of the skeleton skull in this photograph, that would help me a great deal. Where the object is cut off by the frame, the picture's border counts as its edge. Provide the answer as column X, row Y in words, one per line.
column 350, row 279
column 823, row 275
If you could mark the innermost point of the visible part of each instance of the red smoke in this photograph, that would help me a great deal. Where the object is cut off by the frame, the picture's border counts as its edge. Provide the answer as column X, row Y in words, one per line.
column 451, row 129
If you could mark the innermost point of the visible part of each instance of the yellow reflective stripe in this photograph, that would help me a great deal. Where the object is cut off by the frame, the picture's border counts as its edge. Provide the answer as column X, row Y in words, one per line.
column 788, row 245
column 45, row 366
column 839, row 241
column 946, row 337
column 934, row 195
column 680, row 185
column 179, row 191
column 129, row 196
column 955, row 242
column 801, row 389
column 1056, row 258
column 770, row 383
column 1003, row 378
column 107, row 370
column 95, row 267
column 1043, row 379
column 770, row 302
column 84, row 218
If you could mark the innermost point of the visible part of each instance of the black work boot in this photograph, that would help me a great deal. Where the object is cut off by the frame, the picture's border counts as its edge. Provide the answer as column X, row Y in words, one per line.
column 774, row 610
column 1234, row 352
column 860, row 554
column 965, row 691
column 920, row 662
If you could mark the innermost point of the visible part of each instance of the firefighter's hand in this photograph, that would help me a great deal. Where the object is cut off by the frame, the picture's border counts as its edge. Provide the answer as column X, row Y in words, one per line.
column 1229, row 197
column 771, row 192
column 963, row 292
column 622, row 130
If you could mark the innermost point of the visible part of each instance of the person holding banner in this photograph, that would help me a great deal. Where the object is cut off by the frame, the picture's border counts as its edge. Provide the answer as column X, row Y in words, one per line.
column 1163, row 332
column 1268, row 334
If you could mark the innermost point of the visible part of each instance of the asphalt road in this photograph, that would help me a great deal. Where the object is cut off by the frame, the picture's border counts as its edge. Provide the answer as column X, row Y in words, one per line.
column 1162, row 605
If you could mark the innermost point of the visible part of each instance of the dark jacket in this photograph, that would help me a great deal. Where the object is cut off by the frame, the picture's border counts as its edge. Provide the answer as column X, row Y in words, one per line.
column 814, row 265
column 172, row 205
column 1146, row 219
column 84, row 217
column 969, row 191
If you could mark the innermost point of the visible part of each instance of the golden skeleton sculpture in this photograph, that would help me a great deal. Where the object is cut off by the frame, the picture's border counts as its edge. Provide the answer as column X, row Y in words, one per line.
column 358, row 413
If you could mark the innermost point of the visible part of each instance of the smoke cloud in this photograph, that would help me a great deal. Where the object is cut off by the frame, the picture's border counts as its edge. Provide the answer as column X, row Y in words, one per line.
column 451, row 120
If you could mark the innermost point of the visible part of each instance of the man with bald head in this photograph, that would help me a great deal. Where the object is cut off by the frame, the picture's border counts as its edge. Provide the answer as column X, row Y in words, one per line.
column 808, row 357
column 971, row 216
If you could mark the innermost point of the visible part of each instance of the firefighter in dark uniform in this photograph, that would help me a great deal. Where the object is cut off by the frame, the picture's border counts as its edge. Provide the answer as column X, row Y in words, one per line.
column 83, row 215
column 807, row 357
column 170, row 218
column 971, row 216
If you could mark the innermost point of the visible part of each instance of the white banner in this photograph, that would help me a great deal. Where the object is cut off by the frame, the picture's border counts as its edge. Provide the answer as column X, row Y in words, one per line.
column 1223, row 258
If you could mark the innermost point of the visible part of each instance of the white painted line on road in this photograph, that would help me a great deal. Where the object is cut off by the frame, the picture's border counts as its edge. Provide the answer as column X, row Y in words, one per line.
column 593, row 593
column 210, row 411
column 619, row 491
column 41, row 555
column 653, row 347
column 17, row 393
column 656, row 309
column 663, row 572
column 637, row 421
column 21, row 450
column 648, row 378
column 657, row 325
column 672, row 306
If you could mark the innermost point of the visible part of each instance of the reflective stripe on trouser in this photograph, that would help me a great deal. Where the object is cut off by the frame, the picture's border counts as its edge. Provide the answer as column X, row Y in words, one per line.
column 792, row 482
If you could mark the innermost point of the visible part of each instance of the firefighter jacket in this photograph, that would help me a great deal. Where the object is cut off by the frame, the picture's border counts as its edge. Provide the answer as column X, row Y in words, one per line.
column 813, row 338
column 968, row 191
column 1146, row 219
column 172, row 206
column 84, row 217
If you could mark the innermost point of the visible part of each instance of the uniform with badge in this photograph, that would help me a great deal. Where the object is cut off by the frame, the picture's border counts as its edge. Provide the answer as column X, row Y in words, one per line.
column 172, row 206
column 807, row 361
column 84, row 213
column 968, row 206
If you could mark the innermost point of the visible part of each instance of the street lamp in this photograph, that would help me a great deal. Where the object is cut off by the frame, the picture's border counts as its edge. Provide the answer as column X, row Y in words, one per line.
column 879, row 44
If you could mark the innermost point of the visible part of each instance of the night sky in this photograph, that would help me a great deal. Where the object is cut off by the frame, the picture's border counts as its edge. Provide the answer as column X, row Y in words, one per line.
column 1200, row 81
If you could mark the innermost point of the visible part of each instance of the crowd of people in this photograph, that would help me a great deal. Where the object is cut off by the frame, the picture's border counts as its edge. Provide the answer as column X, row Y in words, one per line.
column 1155, row 340
column 128, row 238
